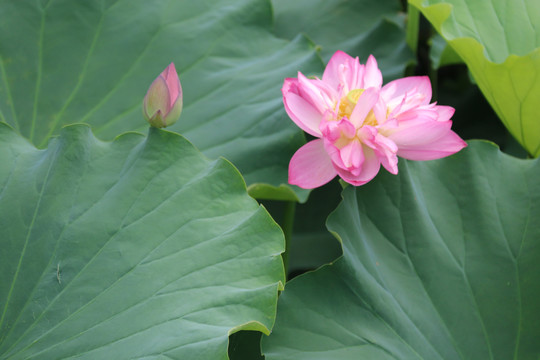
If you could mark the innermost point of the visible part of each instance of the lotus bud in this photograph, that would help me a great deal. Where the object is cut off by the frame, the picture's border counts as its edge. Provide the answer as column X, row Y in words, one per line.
column 162, row 104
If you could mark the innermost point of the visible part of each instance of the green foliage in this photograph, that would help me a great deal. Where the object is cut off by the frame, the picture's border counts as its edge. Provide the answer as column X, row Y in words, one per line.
column 440, row 262
column 500, row 43
column 144, row 248
column 137, row 248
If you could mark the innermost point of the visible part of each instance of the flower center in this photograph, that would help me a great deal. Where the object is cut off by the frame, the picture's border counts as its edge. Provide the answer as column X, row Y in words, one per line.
column 347, row 104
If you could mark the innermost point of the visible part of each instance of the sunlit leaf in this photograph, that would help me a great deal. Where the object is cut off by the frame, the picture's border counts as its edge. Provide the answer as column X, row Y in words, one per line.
column 500, row 43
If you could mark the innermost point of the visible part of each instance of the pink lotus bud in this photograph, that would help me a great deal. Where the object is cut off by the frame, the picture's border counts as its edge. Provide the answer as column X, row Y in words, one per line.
column 162, row 104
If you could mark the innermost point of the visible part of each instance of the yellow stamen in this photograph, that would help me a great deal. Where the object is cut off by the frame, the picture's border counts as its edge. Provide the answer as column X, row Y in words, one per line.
column 354, row 95
column 347, row 104
column 370, row 119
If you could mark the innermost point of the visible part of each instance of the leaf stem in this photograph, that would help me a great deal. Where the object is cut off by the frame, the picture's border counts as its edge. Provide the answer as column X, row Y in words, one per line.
column 434, row 78
column 287, row 224
column 413, row 27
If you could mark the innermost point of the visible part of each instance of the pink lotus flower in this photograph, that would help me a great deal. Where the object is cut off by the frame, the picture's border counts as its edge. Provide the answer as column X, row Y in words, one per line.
column 162, row 104
column 361, row 125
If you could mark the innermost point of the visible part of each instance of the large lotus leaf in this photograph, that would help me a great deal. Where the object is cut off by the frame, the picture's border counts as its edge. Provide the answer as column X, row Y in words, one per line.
column 500, row 43
column 439, row 262
column 139, row 248
column 359, row 27
column 64, row 61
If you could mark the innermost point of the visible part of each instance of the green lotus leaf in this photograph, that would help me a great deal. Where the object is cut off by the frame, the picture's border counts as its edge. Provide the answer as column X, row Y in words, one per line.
column 359, row 28
column 500, row 43
column 137, row 248
column 439, row 262
column 64, row 61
